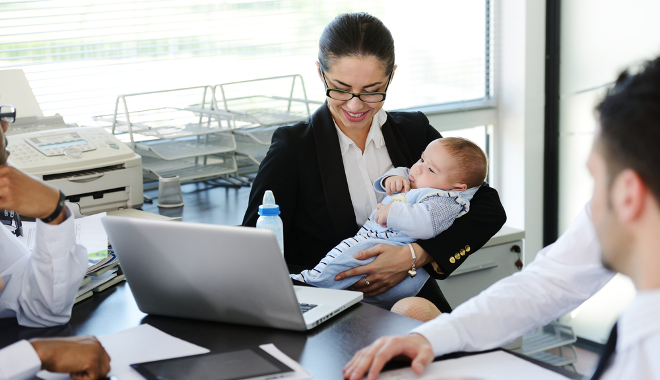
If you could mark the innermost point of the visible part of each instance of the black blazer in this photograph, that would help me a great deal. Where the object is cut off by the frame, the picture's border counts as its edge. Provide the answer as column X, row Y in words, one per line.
column 305, row 171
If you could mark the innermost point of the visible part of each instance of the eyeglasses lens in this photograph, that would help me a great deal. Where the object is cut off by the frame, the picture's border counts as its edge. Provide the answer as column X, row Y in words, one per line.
column 367, row 98
column 7, row 114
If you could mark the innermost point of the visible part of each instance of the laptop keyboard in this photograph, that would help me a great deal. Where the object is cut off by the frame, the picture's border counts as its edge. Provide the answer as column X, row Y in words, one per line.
column 305, row 307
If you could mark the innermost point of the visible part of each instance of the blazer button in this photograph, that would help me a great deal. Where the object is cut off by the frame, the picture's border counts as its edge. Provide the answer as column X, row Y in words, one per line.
column 457, row 256
column 467, row 248
column 452, row 260
column 462, row 252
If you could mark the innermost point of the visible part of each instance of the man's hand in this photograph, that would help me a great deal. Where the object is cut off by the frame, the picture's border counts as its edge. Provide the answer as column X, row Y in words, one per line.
column 371, row 359
column 27, row 196
column 396, row 184
column 382, row 212
column 83, row 357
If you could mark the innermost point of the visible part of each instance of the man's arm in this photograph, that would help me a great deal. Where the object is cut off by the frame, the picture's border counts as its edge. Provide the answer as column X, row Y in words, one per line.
column 562, row 276
column 41, row 285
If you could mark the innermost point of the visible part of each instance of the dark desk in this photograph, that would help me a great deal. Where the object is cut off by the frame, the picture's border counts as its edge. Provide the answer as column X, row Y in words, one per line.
column 322, row 351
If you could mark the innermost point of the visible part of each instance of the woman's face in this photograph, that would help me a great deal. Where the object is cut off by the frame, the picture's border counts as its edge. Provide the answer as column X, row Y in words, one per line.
column 356, row 75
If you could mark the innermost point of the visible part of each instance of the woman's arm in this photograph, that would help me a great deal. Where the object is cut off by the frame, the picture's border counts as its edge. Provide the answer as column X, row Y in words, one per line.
column 468, row 233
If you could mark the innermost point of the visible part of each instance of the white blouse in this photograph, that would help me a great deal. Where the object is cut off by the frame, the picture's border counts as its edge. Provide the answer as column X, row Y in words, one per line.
column 362, row 169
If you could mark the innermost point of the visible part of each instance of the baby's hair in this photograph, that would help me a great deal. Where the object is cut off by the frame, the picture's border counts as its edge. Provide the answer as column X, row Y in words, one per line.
column 471, row 161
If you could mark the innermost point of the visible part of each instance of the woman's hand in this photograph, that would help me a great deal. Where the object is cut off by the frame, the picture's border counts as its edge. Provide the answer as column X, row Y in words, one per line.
column 387, row 270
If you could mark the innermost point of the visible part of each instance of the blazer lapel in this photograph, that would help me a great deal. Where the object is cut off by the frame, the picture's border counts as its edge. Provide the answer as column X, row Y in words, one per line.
column 331, row 167
column 396, row 145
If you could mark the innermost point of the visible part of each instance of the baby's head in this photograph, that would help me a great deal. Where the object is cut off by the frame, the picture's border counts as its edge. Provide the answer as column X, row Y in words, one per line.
column 450, row 163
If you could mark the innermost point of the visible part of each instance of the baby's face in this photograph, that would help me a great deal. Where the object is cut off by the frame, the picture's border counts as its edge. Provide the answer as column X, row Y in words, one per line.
column 435, row 169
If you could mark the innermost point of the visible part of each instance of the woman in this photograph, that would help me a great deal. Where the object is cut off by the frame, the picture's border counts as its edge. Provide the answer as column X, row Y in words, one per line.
column 321, row 170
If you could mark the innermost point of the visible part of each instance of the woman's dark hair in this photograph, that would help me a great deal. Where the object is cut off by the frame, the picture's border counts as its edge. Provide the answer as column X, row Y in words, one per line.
column 356, row 35
column 629, row 118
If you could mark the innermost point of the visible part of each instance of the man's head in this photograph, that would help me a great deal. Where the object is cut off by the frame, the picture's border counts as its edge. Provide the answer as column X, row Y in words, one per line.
column 450, row 163
column 625, row 163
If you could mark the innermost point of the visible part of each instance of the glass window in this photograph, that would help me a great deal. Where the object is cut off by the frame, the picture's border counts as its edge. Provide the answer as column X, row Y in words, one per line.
column 80, row 54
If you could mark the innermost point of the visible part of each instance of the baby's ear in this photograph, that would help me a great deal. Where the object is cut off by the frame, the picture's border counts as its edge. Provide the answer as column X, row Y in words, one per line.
column 459, row 187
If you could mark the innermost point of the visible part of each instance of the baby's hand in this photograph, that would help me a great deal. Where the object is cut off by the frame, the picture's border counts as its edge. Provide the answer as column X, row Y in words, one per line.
column 396, row 184
column 382, row 211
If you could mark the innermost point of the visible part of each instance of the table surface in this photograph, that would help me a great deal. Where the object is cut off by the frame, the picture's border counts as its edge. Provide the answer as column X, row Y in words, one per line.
column 323, row 351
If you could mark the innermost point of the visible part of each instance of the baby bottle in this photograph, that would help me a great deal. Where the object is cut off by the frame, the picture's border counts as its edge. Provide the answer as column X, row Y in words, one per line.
column 269, row 218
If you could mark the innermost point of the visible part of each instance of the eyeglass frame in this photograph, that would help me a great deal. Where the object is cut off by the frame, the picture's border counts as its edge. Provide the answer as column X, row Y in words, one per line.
column 12, row 221
column 12, row 113
column 328, row 89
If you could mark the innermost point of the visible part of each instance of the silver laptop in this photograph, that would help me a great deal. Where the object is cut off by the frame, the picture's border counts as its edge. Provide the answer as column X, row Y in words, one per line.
column 217, row 273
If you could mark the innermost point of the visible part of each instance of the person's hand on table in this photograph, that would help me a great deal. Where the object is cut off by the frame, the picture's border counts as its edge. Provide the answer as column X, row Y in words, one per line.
column 83, row 357
column 387, row 270
column 371, row 359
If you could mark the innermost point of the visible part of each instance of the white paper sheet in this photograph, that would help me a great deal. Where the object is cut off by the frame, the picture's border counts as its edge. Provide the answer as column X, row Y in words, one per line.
column 137, row 345
column 89, row 233
column 300, row 374
column 497, row 365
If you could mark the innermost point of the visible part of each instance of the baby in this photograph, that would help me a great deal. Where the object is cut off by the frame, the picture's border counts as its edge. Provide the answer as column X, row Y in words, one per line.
column 423, row 201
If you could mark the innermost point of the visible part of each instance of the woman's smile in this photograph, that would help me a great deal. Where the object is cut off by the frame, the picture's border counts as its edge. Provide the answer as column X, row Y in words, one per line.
column 355, row 117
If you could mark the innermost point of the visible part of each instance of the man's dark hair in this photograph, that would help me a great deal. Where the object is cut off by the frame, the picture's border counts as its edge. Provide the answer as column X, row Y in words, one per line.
column 629, row 118
column 356, row 35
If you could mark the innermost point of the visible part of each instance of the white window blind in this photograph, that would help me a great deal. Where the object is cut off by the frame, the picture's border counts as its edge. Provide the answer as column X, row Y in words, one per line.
column 80, row 54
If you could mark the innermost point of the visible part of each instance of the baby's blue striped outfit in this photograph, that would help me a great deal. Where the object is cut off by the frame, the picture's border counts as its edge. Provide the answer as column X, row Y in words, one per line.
column 417, row 214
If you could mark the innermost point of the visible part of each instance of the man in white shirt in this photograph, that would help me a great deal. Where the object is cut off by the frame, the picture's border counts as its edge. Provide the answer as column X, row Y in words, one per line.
column 39, row 287
column 624, row 216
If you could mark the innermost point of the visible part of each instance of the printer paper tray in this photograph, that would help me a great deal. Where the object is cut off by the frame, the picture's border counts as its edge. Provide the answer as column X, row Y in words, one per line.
column 187, row 169
column 190, row 147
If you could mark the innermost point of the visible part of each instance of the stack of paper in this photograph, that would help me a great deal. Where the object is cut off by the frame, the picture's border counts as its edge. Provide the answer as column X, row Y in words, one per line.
column 98, row 266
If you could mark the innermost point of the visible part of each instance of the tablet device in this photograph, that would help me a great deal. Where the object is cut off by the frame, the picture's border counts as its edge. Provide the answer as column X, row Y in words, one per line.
column 247, row 364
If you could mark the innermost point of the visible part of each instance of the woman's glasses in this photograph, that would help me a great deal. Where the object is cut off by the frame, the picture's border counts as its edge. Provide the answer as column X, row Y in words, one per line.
column 344, row 96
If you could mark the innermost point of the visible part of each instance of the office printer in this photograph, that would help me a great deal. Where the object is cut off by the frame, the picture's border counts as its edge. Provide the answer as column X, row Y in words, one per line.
column 95, row 170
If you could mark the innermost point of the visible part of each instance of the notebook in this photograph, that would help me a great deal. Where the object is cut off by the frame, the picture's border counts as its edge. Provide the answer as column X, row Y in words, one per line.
column 217, row 273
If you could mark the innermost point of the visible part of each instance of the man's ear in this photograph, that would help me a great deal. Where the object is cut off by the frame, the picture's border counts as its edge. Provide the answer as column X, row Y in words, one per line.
column 628, row 195
column 318, row 69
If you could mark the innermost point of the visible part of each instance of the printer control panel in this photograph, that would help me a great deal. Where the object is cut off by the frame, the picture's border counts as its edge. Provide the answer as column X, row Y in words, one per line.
column 70, row 144
column 65, row 149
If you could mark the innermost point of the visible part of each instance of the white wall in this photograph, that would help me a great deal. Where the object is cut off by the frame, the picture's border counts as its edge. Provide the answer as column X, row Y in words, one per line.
column 599, row 38
column 518, row 145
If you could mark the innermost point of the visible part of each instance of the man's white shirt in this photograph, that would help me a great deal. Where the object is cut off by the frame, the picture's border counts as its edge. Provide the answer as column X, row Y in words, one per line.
column 40, row 287
column 562, row 276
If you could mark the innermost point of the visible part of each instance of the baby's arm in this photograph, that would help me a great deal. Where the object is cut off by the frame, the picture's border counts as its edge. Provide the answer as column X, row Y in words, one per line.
column 423, row 220
column 379, row 184
column 396, row 184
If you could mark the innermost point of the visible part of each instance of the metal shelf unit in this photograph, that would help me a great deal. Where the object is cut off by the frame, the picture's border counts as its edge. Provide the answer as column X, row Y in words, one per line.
column 177, row 132
column 259, row 107
column 553, row 336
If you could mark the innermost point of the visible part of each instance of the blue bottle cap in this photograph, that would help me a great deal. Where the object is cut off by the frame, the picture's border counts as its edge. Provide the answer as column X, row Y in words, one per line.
column 269, row 210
